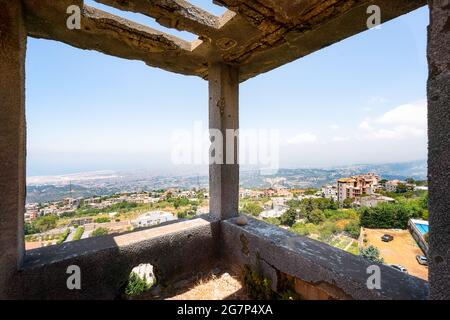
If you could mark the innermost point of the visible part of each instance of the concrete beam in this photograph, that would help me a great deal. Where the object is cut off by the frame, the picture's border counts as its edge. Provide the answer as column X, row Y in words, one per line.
column 224, row 120
column 290, row 30
column 112, row 35
column 178, row 14
column 12, row 141
column 439, row 147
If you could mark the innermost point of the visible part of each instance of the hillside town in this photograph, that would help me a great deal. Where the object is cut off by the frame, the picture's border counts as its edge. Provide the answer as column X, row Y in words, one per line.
column 336, row 214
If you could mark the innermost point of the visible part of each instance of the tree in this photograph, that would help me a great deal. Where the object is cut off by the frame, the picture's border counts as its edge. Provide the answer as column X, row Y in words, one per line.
column 45, row 223
column 288, row 218
column 347, row 203
column 390, row 215
column 372, row 254
column 353, row 229
column 316, row 216
column 252, row 208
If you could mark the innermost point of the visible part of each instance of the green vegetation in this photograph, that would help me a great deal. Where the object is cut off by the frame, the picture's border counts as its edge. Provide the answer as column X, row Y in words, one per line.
column 99, row 232
column 372, row 254
column 258, row 287
column 316, row 216
column 41, row 224
column 391, row 215
column 63, row 237
column 288, row 218
column 304, row 229
column 187, row 214
column 274, row 221
column 78, row 233
column 353, row 229
column 136, row 285
column 252, row 208
column 123, row 207
column 102, row 220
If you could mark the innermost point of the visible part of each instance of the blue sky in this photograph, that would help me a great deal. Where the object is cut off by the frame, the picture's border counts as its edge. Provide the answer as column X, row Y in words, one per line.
column 359, row 101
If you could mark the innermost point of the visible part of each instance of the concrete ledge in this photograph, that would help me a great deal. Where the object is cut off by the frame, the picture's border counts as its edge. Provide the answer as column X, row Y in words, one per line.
column 176, row 251
column 314, row 265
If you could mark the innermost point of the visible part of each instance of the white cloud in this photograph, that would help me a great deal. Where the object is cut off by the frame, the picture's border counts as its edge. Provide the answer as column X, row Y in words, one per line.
column 403, row 122
column 365, row 125
column 408, row 114
column 334, row 126
column 303, row 138
column 340, row 139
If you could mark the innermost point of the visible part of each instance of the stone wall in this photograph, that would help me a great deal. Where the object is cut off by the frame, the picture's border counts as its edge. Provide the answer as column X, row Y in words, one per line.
column 175, row 251
column 319, row 270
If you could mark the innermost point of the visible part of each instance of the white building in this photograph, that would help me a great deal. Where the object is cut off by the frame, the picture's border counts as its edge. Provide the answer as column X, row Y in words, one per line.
column 152, row 218
column 330, row 192
column 274, row 213
column 391, row 186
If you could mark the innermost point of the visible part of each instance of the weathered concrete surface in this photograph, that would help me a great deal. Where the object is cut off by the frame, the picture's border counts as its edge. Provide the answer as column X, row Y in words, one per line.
column 223, row 116
column 439, row 148
column 12, row 140
column 112, row 35
column 336, row 273
column 175, row 251
column 263, row 35
column 178, row 14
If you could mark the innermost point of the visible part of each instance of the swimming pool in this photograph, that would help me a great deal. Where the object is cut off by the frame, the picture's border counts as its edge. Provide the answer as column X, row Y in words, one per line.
column 423, row 228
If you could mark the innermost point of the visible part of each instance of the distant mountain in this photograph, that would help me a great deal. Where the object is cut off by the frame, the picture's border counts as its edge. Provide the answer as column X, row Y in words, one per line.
column 54, row 188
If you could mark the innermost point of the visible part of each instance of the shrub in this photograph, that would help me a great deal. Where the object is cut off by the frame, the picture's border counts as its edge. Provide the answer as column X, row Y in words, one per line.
column 252, row 208
column 327, row 230
column 274, row 221
column 304, row 229
column 102, row 220
column 353, row 229
column 45, row 223
column 372, row 254
column 316, row 216
column 136, row 285
column 63, row 236
column 99, row 232
column 288, row 218
column 78, row 234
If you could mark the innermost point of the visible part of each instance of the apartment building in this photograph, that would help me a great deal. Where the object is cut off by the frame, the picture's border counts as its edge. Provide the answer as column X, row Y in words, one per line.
column 357, row 186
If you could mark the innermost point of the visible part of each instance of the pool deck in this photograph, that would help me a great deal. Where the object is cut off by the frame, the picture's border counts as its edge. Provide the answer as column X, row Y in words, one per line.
column 402, row 250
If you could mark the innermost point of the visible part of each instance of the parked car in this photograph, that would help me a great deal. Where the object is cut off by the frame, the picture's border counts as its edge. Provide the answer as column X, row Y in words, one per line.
column 387, row 238
column 398, row 268
column 422, row 260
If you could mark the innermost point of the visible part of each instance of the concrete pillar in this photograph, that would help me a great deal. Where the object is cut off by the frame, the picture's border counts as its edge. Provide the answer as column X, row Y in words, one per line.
column 223, row 116
column 12, row 142
column 439, row 148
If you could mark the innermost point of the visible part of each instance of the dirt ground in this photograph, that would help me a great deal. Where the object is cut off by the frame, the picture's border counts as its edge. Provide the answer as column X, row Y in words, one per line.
column 213, row 287
column 402, row 250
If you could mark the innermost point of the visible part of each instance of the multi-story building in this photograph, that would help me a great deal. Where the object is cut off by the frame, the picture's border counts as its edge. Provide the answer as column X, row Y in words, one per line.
column 391, row 186
column 330, row 192
column 357, row 186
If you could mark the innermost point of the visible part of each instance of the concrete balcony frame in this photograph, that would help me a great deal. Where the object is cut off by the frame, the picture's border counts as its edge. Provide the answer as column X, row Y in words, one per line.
column 255, row 38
